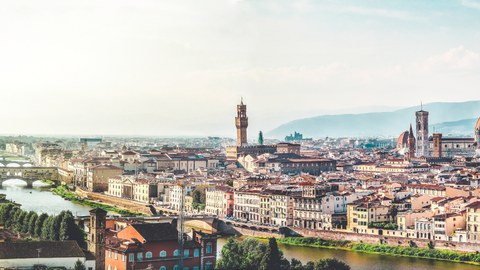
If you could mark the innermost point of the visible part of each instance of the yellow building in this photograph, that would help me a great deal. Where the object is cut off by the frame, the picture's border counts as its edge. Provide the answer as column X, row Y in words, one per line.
column 359, row 215
column 473, row 222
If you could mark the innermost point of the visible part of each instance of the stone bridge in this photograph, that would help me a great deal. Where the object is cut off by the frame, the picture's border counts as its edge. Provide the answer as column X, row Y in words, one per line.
column 206, row 224
column 15, row 164
column 28, row 174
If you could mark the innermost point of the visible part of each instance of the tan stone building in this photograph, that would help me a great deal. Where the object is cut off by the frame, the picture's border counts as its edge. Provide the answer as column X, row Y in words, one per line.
column 97, row 177
column 473, row 222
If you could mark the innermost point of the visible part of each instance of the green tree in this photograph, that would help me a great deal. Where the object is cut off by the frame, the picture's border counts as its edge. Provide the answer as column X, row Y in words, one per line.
column 39, row 223
column 273, row 257
column 330, row 264
column 5, row 209
column 19, row 219
column 31, row 224
column 79, row 265
column 199, row 197
column 26, row 222
column 232, row 256
column 47, row 228
column 70, row 231
column 54, row 233
column 11, row 216
column 260, row 138
column 296, row 265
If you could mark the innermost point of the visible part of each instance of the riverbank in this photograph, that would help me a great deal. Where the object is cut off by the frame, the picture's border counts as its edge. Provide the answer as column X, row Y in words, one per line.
column 63, row 192
column 412, row 252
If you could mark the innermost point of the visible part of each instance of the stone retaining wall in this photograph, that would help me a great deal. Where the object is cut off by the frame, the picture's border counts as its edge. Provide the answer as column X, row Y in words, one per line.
column 118, row 202
column 388, row 240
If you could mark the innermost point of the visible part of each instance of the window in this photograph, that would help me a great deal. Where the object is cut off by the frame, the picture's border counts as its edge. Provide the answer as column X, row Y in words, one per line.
column 163, row 254
column 195, row 268
column 208, row 266
column 148, row 255
column 163, row 268
column 115, row 254
column 131, row 257
column 186, row 252
column 196, row 253
column 175, row 267
column 209, row 248
column 109, row 267
column 139, row 256
column 123, row 257
column 109, row 253
column 185, row 268
column 176, row 253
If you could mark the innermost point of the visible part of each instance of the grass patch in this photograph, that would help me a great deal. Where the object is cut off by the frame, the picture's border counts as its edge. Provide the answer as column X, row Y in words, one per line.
column 435, row 254
column 64, row 193
column 49, row 182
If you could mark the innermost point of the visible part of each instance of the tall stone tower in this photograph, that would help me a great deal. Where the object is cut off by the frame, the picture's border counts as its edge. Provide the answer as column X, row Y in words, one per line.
column 411, row 145
column 422, row 133
column 241, row 122
column 437, row 145
column 96, row 236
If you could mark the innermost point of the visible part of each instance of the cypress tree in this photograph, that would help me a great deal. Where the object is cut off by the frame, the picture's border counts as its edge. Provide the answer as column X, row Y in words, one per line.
column 260, row 138
column 31, row 224
column 39, row 225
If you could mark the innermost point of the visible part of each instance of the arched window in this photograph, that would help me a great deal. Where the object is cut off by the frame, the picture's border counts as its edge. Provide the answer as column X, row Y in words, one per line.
column 196, row 253
column 175, row 267
column 163, row 268
column 148, row 255
column 176, row 253
column 163, row 254
column 209, row 248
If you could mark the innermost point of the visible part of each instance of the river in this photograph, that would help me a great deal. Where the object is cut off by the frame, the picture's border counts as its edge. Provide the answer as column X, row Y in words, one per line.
column 40, row 199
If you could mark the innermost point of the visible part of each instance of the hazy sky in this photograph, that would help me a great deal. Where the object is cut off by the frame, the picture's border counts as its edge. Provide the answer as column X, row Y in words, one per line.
column 179, row 67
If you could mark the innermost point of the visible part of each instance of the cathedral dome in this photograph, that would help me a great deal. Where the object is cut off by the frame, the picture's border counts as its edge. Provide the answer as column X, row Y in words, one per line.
column 402, row 141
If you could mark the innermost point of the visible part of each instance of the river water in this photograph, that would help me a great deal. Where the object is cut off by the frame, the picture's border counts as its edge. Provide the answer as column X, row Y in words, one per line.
column 363, row 261
column 41, row 200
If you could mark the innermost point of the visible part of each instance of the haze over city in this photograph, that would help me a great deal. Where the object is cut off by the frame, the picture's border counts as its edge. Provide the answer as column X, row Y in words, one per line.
column 178, row 68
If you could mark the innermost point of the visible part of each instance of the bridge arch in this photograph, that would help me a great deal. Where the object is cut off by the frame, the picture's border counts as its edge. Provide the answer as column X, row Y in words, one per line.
column 14, row 181
column 13, row 165
column 200, row 225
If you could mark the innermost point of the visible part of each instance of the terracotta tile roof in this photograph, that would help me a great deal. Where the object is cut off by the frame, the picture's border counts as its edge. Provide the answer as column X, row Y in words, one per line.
column 156, row 231
column 49, row 249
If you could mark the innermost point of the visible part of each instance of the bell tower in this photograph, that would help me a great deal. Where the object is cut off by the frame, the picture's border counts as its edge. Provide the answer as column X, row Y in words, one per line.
column 96, row 236
column 422, row 133
column 241, row 122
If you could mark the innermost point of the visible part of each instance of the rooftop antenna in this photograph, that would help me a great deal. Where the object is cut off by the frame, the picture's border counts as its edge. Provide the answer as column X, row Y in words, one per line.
column 241, row 100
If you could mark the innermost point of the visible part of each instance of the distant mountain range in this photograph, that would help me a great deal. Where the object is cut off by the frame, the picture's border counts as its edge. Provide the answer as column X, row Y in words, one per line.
column 449, row 118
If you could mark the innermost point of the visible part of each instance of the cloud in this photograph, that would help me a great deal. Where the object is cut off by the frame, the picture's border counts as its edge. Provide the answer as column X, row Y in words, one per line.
column 378, row 12
column 471, row 4
column 457, row 58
